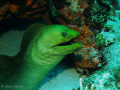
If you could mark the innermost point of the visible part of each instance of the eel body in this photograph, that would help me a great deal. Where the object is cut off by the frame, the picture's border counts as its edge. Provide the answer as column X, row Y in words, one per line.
column 41, row 50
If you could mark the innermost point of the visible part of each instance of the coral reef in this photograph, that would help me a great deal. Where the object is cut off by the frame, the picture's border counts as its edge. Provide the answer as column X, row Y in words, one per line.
column 108, row 78
column 96, row 16
column 104, row 39
column 108, row 41
column 85, row 88
column 110, row 33
column 88, row 56
column 30, row 8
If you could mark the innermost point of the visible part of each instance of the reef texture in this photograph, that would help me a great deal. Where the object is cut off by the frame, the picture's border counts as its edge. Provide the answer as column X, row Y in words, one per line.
column 110, row 33
column 107, row 78
column 108, row 40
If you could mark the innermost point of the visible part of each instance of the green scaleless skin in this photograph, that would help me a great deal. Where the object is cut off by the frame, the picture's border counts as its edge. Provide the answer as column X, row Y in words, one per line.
column 39, row 54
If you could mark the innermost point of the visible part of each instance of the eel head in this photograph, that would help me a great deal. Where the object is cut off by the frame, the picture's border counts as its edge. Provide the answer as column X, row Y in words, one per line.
column 57, row 39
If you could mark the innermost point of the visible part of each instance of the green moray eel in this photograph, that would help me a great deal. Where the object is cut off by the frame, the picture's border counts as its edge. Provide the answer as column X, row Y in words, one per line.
column 40, row 51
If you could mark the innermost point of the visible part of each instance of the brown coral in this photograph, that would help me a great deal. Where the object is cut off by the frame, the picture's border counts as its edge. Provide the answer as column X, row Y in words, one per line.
column 88, row 56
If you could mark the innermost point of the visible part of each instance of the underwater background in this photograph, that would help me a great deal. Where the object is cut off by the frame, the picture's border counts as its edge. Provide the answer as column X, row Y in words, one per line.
column 97, row 64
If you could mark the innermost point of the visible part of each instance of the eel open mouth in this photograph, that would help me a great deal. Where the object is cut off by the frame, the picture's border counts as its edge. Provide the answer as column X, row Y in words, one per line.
column 67, row 43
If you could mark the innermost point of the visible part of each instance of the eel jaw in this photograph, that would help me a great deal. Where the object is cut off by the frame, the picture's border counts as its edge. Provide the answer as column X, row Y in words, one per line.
column 66, row 47
column 66, row 43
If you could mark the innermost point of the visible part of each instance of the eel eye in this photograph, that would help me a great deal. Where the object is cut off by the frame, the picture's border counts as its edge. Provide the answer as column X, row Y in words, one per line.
column 64, row 33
